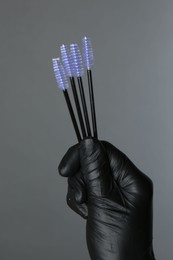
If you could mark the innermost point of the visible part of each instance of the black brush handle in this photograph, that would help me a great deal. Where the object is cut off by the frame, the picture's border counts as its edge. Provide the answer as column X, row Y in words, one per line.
column 78, row 108
column 84, row 105
column 70, row 108
column 92, row 103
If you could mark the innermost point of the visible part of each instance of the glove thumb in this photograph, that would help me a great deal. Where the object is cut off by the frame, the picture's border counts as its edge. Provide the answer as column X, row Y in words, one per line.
column 95, row 168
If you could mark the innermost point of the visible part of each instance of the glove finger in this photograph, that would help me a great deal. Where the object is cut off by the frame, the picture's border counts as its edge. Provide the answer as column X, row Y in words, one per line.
column 70, row 163
column 77, row 186
column 76, row 196
column 80, row 209
column 95, row 168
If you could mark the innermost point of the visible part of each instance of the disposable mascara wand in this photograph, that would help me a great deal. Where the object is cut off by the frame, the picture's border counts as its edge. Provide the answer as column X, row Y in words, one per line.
column 67, row 62
column 88, row 63
column 78, row 72
column 63, row 85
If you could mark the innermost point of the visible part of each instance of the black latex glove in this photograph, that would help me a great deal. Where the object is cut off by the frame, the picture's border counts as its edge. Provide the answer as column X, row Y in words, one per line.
column 115, row 197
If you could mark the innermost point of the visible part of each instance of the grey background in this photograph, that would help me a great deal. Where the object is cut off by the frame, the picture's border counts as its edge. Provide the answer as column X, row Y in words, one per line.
column 133, row 75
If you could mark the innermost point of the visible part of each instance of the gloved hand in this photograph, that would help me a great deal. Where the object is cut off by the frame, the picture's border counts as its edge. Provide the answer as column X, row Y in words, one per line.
column 115, row 197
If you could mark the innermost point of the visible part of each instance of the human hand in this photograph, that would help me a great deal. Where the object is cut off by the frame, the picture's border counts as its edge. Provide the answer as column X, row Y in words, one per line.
column 115, row 197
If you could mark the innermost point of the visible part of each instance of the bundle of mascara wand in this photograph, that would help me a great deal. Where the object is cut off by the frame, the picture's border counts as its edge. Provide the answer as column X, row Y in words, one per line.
column 72, row 68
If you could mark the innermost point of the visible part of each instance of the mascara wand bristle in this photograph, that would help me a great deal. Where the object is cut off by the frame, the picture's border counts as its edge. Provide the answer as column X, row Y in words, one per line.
column 60, row 74
column 87, row 50
column 77, row 64
column 66, row 59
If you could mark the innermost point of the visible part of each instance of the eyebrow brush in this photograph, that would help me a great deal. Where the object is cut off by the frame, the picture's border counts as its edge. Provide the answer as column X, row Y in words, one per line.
column 63, row 85
column 78, row 72
column 88, row 63
column 67, row 62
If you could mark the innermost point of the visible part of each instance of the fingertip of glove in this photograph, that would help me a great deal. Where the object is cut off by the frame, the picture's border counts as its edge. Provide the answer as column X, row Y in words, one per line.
column 70, row 162
column 62, row 171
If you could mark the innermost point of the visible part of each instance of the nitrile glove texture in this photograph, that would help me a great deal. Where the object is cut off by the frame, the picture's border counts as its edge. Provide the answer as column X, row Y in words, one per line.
column 114, row 197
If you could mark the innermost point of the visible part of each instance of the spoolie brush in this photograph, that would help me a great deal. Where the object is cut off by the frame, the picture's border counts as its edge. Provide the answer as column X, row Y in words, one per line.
column 63, row 85
column 67, row 62
column 78, row 72
column 88, row 63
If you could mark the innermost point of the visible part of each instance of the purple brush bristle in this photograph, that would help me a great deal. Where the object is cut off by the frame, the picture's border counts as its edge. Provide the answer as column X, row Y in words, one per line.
column 60, row 74
column 66, row 59
column 87, row 53
column 77, row 63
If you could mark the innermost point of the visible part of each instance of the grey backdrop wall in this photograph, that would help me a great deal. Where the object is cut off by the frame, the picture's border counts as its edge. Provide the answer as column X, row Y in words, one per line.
column 133, row 75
